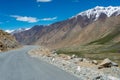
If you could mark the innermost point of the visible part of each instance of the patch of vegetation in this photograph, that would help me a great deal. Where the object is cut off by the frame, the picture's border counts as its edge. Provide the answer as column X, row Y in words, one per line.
column 107, row 38
column 114, row 48
column 93, row 56
column 79, row 54
column 98, row 49
column 95, row 52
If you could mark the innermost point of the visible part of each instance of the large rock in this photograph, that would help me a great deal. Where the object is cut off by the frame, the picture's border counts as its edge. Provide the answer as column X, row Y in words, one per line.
column 73, row 56
column 94, row 62
column 98, row 78
column 106, row 63
column 87, row 60
column 65, row 57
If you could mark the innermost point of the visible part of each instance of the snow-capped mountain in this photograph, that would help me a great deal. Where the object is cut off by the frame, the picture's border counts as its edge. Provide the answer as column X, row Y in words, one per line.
column 99, row 11
column 80, row 29
column 17, row 31
column 20, row 30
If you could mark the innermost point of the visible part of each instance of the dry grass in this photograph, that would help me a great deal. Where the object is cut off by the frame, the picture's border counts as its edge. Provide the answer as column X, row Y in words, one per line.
column 94, row 52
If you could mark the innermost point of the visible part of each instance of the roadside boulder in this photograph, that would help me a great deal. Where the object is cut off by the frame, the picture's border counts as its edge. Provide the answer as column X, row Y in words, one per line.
column 87, row 60
column 106, row 63
column 94, row 62
column 98, row 78
column 65, row 57
column 73, row 56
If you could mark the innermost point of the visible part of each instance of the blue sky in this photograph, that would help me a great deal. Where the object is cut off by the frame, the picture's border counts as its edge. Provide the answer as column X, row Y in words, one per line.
column 16, row 14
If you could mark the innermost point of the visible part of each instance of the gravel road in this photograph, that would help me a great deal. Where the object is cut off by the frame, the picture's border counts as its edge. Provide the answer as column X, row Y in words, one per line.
column 18, row 65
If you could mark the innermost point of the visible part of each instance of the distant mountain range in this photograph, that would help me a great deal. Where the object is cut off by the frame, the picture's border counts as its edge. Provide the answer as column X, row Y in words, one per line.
column 17, row 30
column 100, row 25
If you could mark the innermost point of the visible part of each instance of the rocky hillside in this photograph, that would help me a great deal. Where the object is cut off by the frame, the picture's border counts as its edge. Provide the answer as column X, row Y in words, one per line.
column 88, row 27
column 30, row 36
column 7, row 41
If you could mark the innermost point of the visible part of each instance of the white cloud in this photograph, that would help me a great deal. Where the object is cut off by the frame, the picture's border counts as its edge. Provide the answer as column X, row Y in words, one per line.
column 25, row 18
column 44, row 0
column 48, row 19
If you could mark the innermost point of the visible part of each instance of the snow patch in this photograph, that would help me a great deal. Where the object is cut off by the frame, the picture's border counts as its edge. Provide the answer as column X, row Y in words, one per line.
column 98, row 10
column 17, row 31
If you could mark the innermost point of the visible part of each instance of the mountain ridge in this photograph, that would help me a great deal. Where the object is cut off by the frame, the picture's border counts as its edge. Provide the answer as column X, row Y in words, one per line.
column 98, row 10
column 70, row 32
column 17, row 30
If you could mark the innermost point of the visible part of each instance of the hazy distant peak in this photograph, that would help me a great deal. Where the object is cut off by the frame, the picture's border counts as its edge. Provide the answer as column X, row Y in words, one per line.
column 17, row 30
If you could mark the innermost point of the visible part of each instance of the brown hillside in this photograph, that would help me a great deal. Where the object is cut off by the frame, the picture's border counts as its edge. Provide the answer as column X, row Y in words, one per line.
column 7, row 41
column 71, row 32
column 69, row 35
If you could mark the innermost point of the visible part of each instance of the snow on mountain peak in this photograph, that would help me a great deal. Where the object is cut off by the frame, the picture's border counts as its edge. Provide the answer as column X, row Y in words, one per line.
column 17, row 31
column 20, row 30
column 98, row 10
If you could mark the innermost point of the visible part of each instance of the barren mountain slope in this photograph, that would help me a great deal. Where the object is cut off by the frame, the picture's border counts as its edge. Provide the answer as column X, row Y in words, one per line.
column 7, row 41
column 81, row 29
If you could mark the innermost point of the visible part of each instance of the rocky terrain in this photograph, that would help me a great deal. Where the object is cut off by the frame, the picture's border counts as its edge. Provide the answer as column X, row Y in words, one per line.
column 84, row 69
column 7, row 41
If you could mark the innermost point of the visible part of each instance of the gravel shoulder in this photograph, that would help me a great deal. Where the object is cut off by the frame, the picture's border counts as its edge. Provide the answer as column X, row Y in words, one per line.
column 84, row 70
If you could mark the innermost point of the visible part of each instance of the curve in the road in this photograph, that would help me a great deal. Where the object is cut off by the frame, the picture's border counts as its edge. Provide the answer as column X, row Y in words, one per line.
column 18, row 65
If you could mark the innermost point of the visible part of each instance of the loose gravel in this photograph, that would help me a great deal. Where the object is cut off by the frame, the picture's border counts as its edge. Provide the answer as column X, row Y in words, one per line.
column 82, row 72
